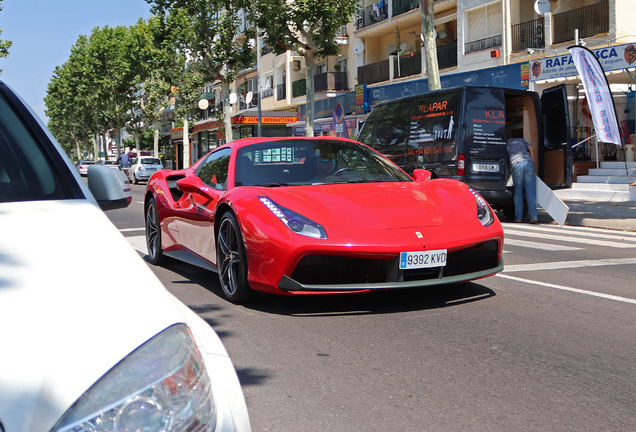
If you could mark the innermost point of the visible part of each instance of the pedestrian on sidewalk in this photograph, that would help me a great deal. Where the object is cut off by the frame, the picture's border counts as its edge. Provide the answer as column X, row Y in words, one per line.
column 521, row 156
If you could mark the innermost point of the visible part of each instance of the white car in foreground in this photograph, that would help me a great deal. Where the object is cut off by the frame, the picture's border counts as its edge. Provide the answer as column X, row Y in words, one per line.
column 98, row 356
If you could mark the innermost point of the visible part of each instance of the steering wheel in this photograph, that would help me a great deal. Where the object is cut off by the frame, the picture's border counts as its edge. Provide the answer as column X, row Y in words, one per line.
column 340, row 171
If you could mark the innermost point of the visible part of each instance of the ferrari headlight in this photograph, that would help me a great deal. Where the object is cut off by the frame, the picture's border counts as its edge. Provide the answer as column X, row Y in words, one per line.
column 295, row 222
column 484, row 213
column 162, row 386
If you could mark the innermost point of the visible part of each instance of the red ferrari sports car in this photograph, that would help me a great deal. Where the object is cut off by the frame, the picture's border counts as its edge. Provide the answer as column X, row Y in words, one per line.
column 318, row 215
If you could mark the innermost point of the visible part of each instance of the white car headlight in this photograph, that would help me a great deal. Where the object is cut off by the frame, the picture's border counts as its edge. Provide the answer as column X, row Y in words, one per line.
column 294, row 221
column 162, row 386
column 484, row 213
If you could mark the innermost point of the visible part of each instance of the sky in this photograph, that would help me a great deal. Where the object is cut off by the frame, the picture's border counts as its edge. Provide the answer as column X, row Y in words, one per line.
column 43, row 32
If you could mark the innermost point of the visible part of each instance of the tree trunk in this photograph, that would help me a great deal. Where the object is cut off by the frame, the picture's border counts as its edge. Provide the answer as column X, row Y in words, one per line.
column 227, row 111
column 186, row 143
column 156, row 141
column 309, row 81
column 430, row 46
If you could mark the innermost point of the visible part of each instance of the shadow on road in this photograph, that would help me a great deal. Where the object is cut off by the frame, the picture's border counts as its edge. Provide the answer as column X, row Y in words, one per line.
column 376, row 302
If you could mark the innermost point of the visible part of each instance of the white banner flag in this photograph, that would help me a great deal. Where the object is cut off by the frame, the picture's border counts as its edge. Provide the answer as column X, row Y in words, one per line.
column 599, row 96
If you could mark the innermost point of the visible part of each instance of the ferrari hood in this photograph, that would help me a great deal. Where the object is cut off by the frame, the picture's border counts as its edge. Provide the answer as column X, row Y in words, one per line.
column 380, row 205
column 75, row 299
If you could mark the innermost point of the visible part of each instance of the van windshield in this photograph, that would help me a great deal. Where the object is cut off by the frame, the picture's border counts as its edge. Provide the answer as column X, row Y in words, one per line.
column 416, row 132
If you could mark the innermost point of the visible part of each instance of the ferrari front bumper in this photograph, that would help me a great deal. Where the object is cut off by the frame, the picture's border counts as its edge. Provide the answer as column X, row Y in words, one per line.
column 328, row 273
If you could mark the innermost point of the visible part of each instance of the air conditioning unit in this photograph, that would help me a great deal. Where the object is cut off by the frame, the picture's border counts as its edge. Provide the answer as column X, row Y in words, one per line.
column 296, row 65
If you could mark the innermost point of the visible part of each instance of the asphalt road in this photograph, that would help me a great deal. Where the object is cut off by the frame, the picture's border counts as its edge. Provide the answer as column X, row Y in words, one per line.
column 549, row 344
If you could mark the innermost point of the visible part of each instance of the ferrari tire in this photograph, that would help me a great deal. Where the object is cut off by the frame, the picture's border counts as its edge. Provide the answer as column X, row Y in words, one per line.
column 153, row 233
column 232, row 260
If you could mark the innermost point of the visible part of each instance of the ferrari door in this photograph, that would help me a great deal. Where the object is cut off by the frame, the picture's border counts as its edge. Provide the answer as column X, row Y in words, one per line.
column 196, row 221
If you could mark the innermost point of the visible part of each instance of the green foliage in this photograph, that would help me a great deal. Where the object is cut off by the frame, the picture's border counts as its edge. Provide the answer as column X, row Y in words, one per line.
column 209, row 44
column 4, row 44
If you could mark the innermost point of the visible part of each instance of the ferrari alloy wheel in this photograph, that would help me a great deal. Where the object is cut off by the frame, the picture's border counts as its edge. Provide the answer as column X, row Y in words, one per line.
column 231, row 260
column 153, row 233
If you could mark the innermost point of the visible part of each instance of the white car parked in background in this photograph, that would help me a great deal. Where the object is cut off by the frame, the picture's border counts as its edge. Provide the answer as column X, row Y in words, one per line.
column 143, row 167
column 101, row 355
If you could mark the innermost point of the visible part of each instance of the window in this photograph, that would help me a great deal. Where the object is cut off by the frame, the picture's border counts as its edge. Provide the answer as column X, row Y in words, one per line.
column 214, row 169
column 27, row 170
column 485, row 27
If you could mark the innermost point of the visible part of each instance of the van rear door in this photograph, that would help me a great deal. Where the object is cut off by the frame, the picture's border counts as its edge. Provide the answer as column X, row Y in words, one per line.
column 484, row 148
column 555, row 167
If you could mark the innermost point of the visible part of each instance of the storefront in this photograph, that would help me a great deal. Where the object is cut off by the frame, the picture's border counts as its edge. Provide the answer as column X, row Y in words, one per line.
column 619, row 64
column 208, row 135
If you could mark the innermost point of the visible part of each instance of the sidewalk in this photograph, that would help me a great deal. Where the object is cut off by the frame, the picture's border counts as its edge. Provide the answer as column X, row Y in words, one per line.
column 617, row 215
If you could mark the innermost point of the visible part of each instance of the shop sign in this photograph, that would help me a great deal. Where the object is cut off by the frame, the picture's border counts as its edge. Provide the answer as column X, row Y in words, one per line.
column 610, row 58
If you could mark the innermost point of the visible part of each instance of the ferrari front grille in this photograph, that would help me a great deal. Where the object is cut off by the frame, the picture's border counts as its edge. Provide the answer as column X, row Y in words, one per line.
column 338, row 270
column 331, row 270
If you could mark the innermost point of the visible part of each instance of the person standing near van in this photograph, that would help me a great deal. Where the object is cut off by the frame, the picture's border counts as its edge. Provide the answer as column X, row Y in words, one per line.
column 521, row 155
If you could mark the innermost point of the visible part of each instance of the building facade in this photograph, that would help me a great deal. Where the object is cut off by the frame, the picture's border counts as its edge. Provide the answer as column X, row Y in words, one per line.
column 518, row 44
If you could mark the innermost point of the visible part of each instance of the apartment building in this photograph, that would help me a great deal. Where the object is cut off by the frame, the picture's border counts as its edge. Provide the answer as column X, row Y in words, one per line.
column 520, row 44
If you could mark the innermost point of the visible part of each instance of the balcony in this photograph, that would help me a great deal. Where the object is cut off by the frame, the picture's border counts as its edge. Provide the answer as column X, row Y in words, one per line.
column 447, row 55
column 590, row 20
column 482, row 44
column 372, row 14
column 281, row 92
column 403, row 6
column 528, row 34
column 329, row 81
column 374, row 72
column 410, row 64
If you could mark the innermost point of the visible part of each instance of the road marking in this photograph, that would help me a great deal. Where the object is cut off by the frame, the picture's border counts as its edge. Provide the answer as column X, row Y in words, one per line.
column 568, row 264
column 131, row 229
column 581, row 231
column 570, row 289
column 570, row 239
column 139, row 243
column 538, row 245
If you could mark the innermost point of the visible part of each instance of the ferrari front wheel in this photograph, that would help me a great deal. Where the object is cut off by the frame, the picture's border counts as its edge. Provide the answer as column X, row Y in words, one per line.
column 153, row 233
column 231, row 260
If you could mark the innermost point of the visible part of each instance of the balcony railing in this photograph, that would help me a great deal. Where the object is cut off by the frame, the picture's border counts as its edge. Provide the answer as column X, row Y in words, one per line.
column 374, row 72
column 329, row 81
column 482, row 44
column 447, row 55
column 372, row 14
column 299, row 88
column 378, row 72
column 281, row 92
column 267, row 93
column 402, row 6
column 408, row 65
column 528, row 34
column 590, row 20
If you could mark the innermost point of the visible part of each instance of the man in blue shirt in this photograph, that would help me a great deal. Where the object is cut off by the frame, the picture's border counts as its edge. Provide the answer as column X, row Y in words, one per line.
column 521, row 155
column 123, row 160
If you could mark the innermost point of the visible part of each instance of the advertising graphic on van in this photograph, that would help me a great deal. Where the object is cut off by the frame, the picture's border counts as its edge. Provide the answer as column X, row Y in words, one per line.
column 461, row 133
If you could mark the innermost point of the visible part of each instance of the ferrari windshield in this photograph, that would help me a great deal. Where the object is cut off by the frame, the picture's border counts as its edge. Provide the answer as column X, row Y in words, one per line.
column 312, row 161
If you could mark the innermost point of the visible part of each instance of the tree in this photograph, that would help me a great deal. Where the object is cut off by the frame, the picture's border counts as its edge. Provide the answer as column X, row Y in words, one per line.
column 70, row 101
column 4, row 44
column 307, row 27
column 209, row 33
column 430, row 46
